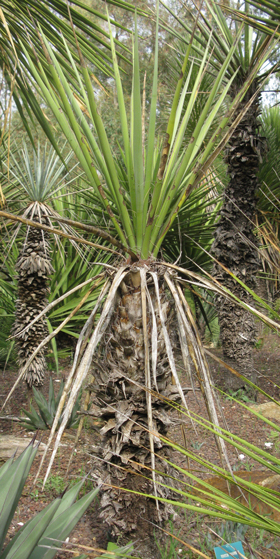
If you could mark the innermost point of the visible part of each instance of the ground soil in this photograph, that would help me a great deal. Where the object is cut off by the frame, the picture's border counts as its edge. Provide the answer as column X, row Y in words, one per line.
column 192, row 528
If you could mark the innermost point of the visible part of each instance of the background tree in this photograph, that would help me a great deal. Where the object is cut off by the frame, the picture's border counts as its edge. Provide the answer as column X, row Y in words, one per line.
column 235, row 246
column 39, row 180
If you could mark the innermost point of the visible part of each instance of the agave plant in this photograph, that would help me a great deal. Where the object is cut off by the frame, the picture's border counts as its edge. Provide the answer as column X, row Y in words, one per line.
column 48, row 409
column 141, row 191
column 41, row 536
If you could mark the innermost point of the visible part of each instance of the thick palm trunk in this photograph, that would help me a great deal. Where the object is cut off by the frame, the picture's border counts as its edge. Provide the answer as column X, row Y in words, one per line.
column 34, row 268
column 235, row 245
column 122, row 405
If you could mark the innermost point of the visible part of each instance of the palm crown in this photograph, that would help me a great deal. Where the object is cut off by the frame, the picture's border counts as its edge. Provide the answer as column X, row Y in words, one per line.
column 142, row 191
column 19, row 21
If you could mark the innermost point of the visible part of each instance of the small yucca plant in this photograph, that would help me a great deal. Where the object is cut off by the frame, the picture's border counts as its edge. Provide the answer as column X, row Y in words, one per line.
column 36, row 181
column 48, row 409
column 48, row 528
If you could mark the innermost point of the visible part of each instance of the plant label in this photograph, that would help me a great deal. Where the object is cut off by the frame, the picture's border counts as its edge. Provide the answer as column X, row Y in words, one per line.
column 230, row 550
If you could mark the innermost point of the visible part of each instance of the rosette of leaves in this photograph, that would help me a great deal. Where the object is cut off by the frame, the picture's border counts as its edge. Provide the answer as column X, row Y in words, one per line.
column 48, row 409
column 40, row 537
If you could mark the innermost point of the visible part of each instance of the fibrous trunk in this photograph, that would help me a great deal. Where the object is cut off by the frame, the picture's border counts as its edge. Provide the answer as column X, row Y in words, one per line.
column 34, row 268
column 235, row 244
column 121, row 403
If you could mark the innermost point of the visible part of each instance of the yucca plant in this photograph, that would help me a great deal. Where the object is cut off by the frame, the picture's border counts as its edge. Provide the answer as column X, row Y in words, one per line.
column 48, row 409
column 140, row 191
column 265, row 16
column 236, row 246
column 40, row 537
column 53, row 16
column 38, row 180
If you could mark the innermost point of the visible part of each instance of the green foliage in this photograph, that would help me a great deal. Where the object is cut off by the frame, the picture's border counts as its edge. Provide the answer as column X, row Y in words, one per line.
column 116, row 552
column 274, row 436
column 265, row 16
column 71, row 269
column 190, row 238
column 53, row 18
column 241, row 394
column 169, row 549
column 269, row 173
column 212, row 333
column 212, row 501
column 215, row 25
column 48, row 409
column 7, row 304
column 55, row 483
column 141, row 201
column 55, row 522
column 41, row 176
column 71, row 264
column 6, row 346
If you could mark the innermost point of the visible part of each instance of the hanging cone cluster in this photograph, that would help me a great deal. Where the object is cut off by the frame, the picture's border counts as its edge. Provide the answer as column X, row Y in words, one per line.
column 34, row 269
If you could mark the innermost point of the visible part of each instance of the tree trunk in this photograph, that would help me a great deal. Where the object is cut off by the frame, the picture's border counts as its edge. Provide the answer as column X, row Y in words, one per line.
column 121, row 403
column 235, row 245
column 34, row 268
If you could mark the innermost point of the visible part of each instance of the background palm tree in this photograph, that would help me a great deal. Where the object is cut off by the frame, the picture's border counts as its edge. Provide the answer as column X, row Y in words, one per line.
column 235, row 246
column 39, row 179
